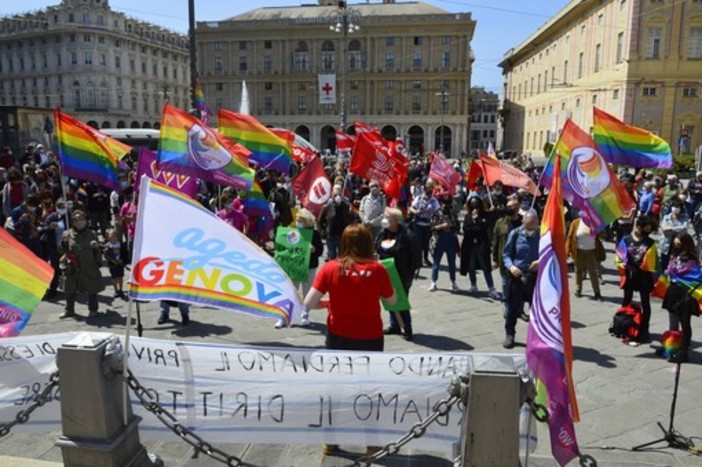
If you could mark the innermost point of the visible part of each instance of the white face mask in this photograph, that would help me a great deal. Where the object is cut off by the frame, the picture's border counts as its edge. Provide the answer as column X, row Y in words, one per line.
column 675, row 210
column 299, row 225
column 384, row 223
column 337, row 199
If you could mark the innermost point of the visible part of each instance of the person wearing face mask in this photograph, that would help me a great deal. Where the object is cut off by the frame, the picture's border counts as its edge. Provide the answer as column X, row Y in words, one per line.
column 503, row 226
column 686, row 203
column 52, row 229
column 422, row 210
column 80, row 262
column 398, row 242
column 232, row 212
column 333, row 219
column 305, row 220
column 694, row 189
column 682, row 274
column 646, row 199
column 475, row 247
column 673, row 223
column 372, row 208
column 444, row 224
column 636, row 261
column 670, row 192
column 521, row 259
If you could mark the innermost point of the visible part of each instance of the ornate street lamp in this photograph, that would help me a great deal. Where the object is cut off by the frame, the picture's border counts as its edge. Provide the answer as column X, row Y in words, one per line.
column 344, row 21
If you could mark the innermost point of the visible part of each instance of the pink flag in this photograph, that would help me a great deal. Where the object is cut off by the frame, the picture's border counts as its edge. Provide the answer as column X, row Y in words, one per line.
column 148, row 166
column 444, row 173
column 549, row 349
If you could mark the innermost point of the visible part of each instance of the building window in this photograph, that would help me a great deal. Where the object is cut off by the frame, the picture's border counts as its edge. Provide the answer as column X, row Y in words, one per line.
column 58, row 60
column 267, row 44
column 218, row 66
column 389, row 84
column 577, row 102
column 446, row 40
column 328, row 56
column 649, row 91
column 217, row 46
column 268, row 104
column 389, row 41
column 355, row 104
column 416, row 84
column 74, row 59
column 598, row 57
column 71, row 18
column 622, row 4
column 268, row 86
column 242, row 64
column 118, row 62
column 301, row 86
column 389, row 103
column 267, row 63
column 654, row 43
column 694, row 47
column 417, row 61
column 416, row 104
column 87, row 38
column 418, row 40
column 594, row 98
column 302, row 57
column 689, row 92
column 353, row 84
column 620, row 47
column 389, row 61
column 355, row 57
column 581, row 64
column 615, row 94
column 445, row 60
column 219, row 86
column 88, row 59
column 600, row 19
column 301, row 103
column 565, row 72
column 242, row 45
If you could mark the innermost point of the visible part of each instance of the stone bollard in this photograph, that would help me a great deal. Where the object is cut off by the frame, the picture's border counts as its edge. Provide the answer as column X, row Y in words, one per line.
column 490, row 430
column 92, row 408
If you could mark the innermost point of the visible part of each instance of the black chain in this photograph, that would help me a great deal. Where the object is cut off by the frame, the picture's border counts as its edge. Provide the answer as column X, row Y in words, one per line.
column 39, row 400
column 172, row 423
column 458, row 393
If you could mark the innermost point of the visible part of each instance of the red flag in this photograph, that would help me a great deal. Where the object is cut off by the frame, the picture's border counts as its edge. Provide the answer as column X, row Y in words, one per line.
column 444, row 173
column 361, row 127
column 312, row 186
column 472, row 176
column 344, row 141
column 495, row 170
column 375, row 160
column 300, row 154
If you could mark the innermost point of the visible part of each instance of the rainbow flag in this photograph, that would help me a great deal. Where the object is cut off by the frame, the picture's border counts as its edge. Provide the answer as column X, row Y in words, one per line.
column 257, row 206
column 549, row 350
column 187, row 146
column 24, row 278
column 624, row 144
column 649, row 263
column 200, row 103
column 268, row 150
column 689, row 279
column 86, row 153
column 588, row 182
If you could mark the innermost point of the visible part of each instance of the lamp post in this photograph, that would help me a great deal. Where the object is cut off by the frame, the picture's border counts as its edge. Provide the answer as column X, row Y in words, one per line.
column 444, row 95
column 344, row 21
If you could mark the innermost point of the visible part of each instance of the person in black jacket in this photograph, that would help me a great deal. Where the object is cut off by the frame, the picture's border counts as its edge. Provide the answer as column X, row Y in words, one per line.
column 333, row 219
column 305, row 220
column 400, row 243
column 475, row 247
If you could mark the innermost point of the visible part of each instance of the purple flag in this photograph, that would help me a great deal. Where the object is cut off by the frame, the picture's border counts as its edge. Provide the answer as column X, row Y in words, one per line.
column 148, row 166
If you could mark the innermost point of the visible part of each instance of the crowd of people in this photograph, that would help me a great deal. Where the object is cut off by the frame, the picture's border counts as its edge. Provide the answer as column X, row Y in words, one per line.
column 78, row 227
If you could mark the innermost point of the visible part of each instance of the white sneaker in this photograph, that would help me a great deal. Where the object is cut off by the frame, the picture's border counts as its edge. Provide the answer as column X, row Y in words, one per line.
column 432, row 287
column 305, row 322
column 473, row 289
column 454, row 287
column 280, row 324
column 494, row 294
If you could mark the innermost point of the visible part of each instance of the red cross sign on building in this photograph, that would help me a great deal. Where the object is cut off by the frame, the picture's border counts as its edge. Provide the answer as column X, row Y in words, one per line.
column 327, row 89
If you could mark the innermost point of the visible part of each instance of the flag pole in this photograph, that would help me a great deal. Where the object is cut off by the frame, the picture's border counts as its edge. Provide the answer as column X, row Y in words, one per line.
column 541, row 175
column 492, row 205
column 125, row 361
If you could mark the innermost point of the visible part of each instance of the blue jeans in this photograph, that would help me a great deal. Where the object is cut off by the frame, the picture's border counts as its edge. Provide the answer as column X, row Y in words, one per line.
column 184, row 309
column 333, row 246
column 445, row 243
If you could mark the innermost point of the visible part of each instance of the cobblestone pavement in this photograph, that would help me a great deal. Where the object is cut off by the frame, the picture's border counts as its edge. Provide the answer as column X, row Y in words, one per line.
column 622, row 391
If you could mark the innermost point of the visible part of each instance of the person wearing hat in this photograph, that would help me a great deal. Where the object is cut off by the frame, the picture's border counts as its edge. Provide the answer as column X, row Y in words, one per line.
column 80, row 262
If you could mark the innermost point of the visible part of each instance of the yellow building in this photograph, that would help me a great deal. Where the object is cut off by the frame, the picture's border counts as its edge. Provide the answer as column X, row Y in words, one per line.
column 640, row 60
column 408, row 69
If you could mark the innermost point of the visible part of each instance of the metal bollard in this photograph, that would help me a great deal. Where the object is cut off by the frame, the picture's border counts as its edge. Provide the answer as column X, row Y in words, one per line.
column 92, row 408
column 490, row 430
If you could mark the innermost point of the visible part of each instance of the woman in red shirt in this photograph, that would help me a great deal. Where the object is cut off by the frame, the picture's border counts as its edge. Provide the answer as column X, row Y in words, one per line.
column 355, row 281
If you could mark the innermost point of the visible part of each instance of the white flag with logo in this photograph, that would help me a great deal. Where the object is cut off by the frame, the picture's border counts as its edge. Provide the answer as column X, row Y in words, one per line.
column 183, row 252
column 327, row 89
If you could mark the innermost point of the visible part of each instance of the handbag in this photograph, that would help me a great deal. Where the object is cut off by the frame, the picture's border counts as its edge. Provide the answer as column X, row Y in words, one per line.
column 600, row 253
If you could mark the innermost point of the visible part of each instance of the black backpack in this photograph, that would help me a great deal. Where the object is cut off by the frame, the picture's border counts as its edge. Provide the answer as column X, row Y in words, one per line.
column 626, row 323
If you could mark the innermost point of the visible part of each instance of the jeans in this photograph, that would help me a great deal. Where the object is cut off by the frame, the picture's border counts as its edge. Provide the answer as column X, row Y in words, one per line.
column 184, row 309
column 333, row 246
column 445, row 243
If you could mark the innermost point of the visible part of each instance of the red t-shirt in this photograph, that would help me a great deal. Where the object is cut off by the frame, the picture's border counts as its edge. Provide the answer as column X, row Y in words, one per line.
column 354, row 306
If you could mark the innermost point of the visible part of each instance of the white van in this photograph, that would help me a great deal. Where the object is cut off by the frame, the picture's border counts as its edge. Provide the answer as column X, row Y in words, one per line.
column 135, row 137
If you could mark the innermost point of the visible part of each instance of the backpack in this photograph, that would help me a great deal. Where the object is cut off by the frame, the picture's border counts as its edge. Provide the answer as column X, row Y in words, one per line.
column 626, row 323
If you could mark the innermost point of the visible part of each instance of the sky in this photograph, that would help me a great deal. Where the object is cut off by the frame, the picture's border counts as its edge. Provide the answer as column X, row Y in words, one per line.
column 501, row 24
